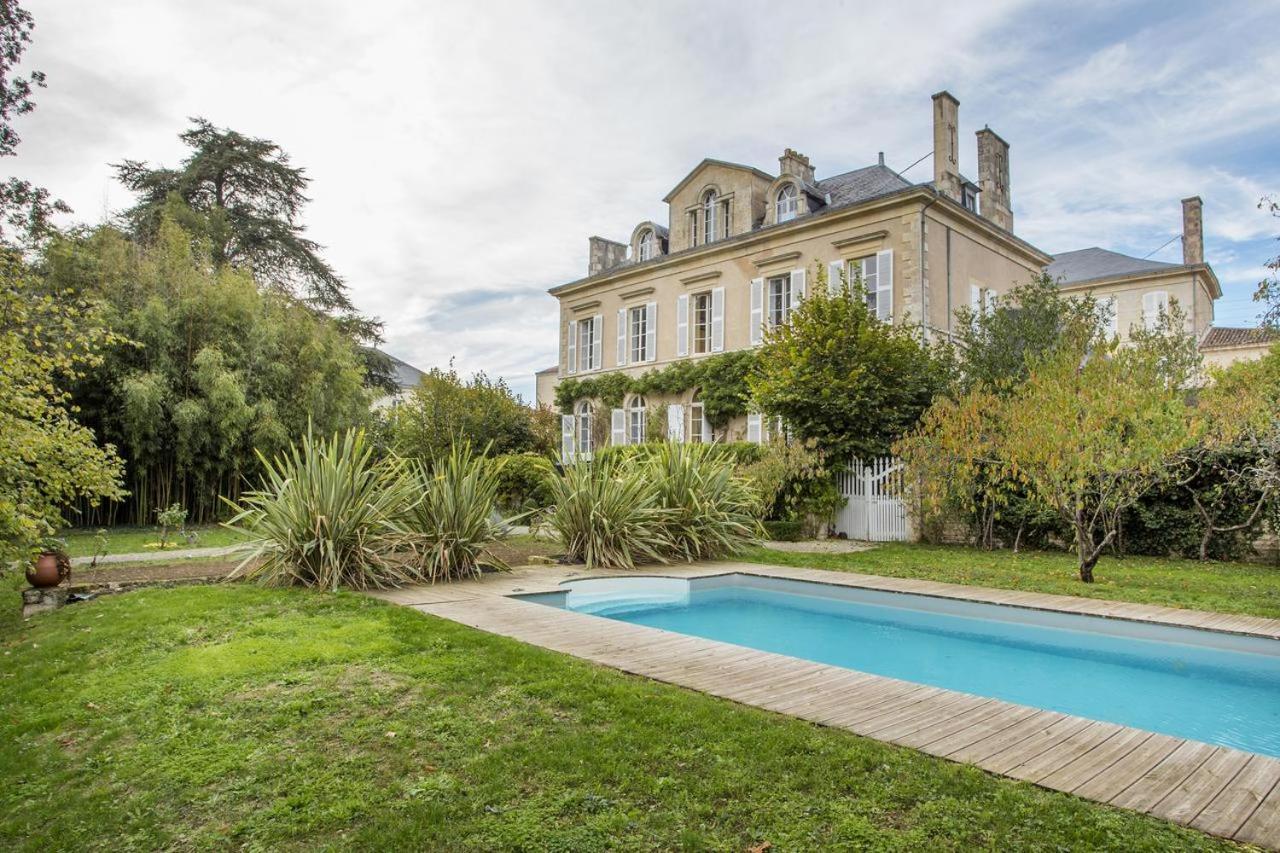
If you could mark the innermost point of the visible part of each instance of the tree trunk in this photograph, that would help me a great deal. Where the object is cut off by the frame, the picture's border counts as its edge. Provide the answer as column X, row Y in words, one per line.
column 1017, row 539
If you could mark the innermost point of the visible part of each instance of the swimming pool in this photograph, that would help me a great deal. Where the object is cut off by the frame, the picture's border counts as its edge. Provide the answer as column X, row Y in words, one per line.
column 1209, row 686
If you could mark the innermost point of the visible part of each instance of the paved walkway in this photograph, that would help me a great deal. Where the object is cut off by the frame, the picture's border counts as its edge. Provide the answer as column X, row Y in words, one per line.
column 158, row 556
column 1221, row 791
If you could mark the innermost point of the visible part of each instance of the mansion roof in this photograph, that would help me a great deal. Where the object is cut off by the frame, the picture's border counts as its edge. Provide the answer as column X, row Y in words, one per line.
column 1095, row 263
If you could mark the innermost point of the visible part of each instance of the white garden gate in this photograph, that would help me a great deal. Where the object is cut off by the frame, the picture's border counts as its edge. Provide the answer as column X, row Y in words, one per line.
column 874, row 510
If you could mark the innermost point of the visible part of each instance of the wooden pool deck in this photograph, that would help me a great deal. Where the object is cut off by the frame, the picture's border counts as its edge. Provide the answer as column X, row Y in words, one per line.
column 1221, row 791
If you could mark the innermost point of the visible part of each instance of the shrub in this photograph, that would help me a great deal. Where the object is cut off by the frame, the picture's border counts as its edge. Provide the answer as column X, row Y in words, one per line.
column 784, row 531
column 607, row 515
column 712, row 511
column 523, row 482
column 171, row 518
column 324, row 516
column 449, row 529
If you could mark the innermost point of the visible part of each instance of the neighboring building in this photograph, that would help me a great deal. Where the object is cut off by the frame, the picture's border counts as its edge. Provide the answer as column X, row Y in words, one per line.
column 406, row 376
column 1224, row 345
column 740, row 246
column 544, row 386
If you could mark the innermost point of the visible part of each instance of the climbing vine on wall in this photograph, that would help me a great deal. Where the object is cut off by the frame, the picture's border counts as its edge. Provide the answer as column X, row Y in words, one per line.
column 722, row 380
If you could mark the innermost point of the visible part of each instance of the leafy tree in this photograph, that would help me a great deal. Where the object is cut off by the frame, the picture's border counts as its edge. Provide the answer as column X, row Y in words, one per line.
column 445, row 407
column 205, row 368
column 49, row 459
column 843, row 379
column 1268, row 292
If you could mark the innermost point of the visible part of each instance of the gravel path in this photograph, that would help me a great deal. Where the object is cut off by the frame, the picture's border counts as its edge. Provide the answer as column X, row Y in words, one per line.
column 158, row 556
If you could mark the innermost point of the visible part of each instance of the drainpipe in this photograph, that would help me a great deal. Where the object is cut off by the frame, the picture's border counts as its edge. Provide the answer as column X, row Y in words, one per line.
column 924, row 321
column 950, row 334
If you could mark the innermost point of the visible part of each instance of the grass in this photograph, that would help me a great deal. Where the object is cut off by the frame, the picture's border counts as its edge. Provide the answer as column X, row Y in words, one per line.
column 1226, row 587
column 237, row 716
column 140, row 540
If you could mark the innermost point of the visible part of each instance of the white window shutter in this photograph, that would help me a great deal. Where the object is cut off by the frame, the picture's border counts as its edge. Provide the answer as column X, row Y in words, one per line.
column 717, row 320
column 675, row 422
column 622, row 337
column 706, row 428
column 651, row 332
column 566, row 437
column 597, row 342
column 754, row 432
column 797, row 288
column 573, row 346
column 975, row 297
column 834, row 278
column 618, row 424
column 757, row 310
column 884, row 285
column 682, row 324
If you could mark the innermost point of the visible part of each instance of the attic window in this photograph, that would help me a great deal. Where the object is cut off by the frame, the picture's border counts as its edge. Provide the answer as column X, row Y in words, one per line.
column 710, row 217
column 788, row 204
column 644, row 249
column 970, row 199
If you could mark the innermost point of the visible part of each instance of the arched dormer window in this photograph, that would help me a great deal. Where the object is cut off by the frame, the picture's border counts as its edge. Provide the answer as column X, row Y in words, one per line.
column 710, row 216
column 584, row 428
column 788, row 203
column 646, row 246
column 637, row 418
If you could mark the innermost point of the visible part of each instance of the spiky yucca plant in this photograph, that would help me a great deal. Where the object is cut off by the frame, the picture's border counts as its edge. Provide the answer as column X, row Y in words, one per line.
column 712, row 512
column 324, row 516
column 449, row 530
column 607, row 515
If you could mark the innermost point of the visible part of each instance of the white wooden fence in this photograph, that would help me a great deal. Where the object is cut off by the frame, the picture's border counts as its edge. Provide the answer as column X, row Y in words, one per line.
column 874, row 509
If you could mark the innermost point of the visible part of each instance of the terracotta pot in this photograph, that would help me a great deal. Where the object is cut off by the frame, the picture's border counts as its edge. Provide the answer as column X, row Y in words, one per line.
column 44, row 572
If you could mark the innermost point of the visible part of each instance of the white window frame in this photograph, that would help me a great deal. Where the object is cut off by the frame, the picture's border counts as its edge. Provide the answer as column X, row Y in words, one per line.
column 588, row 344
column 637, row 420
column 710, row 217
column 700, row 319
column 787, row 206
column 1111, row 327
column 644, row 249
column 699, row 427
column 1154, row 303
column 778, row 299
column 638, row 334
column 582, row 425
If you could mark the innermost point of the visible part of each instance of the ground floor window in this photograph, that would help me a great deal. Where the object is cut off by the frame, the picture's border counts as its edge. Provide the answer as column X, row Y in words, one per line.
column 584, row 428
column 636, row 421
column 779, row 300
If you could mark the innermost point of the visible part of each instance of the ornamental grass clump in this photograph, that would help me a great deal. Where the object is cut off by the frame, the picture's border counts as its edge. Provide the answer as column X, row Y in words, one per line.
column 448, row 531
column 607, row 515
column 711, row 512
column 325, row 516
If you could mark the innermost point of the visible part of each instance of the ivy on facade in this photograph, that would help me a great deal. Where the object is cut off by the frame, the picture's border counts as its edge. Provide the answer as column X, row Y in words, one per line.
column 721, row 380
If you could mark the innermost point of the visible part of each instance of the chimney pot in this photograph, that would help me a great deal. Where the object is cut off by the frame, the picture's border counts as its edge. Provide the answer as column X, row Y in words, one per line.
column 1192, row 230
column 605, row 255
column 881, row 158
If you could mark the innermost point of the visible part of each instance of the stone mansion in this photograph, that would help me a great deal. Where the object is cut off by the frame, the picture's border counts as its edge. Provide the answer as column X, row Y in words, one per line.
column 740, row 245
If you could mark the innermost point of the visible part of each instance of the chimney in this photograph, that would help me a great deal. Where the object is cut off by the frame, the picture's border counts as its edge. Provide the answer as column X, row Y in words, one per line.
column 794, row 163
column 1192, row 230
column 946, row 155
column 605, row 255
column 993, row 178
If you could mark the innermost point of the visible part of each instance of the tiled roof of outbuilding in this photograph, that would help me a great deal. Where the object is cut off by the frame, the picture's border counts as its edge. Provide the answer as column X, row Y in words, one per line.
column 1228, row 336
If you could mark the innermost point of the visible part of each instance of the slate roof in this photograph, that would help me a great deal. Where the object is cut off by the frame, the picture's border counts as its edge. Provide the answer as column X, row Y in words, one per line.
column 1094, row 263
column 1228, row 336
column 862, row 184
column 406, row 375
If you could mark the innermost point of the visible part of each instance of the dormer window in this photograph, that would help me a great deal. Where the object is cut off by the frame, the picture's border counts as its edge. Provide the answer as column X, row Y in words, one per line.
column 645, row 248
column 788, row 204
column 710, row 217
column 969, row 198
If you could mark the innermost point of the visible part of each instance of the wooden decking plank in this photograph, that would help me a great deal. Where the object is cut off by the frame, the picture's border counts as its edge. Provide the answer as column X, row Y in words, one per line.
column 869, row 700
column 948, row 742
column 1001, row 739
column 1226, row 813
column 1263, row 826
column 1035, row 743
column 942, row 711
column 1075, row 773
column 943, row 730
column 1110, row 781
column 1078, row 743
column 1152, row 786
column 1185, row 802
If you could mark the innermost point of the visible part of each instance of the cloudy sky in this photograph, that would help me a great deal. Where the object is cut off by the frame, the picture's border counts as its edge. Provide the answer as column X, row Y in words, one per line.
column 462, row 152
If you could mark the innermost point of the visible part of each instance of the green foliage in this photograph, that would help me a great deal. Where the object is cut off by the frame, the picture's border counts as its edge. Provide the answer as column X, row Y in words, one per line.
column 205, row 367
column 50, row 459
column 792, row 481
column 523, row 482
column 172, row 517
column 784, row 531
column 607, row 517
column 721, row 380
column 449, row 529
column 326, row 515
column 840, row 377
column 1268, row 292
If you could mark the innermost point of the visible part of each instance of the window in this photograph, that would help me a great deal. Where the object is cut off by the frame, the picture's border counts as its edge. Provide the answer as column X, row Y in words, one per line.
column 779, row 300
column 1111, row 317
column 639, row 323
column 982, row 299
column 1154, row 306
column 868, row 271
column 636, row 421
column 710, row 217
column 584, row 428
column 699, row 429
column 702, row 322
column 788, row 206
column 587, row 349
column 970, row 198
column 644, row 249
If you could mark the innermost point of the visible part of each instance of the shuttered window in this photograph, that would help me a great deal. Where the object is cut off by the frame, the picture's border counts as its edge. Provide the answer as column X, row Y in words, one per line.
column 701, row 326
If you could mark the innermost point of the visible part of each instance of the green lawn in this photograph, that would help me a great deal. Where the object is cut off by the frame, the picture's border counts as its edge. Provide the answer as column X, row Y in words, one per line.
column 1226, row 587
column 140, row 540
column 235, row 716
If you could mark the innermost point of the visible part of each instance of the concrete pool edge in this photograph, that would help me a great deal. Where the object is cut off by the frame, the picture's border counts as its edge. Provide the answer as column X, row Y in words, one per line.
column 1219, row 790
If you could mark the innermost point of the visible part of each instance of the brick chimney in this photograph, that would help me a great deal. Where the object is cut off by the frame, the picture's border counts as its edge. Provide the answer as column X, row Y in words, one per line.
column 605, row 255
column 794, row 163
column 993, row 178
column 946, row 153
column 1192, row 230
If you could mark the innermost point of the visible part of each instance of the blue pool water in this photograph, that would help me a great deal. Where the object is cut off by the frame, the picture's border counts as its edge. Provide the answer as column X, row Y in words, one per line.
column 1204, row 685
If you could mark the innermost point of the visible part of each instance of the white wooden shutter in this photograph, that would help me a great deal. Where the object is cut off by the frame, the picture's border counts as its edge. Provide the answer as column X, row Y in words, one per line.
column 597, row 342
column 618, row 423
column 717, row 320
column 1153, row 304
column 651, row 332
column 884, row 285
column 566, row 437
column 754, row 433
column 682, row 324
column 975, row 298
column 675, row 422
column 622, row 337
column 797, row 288
column 1111, row 328
column 757, row 310
column 573, row 346
column 834, row 278
column 706, row 428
